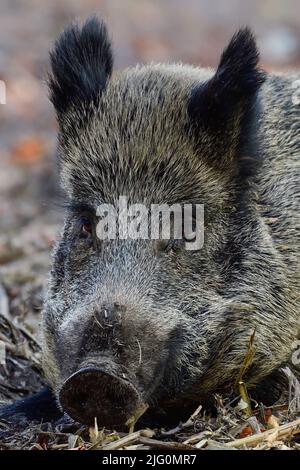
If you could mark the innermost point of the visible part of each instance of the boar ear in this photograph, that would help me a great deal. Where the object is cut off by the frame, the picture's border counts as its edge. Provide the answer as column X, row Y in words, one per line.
column 216, row 103
column 81, row 63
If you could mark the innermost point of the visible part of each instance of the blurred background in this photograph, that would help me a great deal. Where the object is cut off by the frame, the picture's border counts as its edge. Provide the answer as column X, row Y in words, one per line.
column 193, row 31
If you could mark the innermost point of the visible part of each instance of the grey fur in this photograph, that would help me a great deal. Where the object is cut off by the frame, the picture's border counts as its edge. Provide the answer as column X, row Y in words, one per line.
column 187, row 316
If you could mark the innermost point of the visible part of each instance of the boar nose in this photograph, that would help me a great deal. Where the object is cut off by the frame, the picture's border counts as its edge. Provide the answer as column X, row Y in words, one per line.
column 94, row 393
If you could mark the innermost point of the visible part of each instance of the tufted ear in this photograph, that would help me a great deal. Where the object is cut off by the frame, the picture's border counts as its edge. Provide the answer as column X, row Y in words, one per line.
column 219, row 103
column 81, row 63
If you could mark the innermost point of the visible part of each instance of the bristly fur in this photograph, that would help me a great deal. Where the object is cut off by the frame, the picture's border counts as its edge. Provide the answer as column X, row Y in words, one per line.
column 237, row 79
column 176, row 134
column 238, row 68
column 223, row 104
column 81, row 64
column 169, row 134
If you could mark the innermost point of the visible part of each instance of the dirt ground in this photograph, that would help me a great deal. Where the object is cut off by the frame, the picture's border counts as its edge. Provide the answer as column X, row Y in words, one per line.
column 171, row 30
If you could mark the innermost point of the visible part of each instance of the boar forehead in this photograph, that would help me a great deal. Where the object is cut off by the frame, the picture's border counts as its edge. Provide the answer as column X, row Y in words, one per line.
column 137, row 143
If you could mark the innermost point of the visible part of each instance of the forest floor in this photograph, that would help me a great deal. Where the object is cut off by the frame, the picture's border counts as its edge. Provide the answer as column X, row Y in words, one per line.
column 232, row 425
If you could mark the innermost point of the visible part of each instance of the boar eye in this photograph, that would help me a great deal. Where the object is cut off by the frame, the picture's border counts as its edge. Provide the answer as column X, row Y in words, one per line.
column 166, row 246
column 86, row 229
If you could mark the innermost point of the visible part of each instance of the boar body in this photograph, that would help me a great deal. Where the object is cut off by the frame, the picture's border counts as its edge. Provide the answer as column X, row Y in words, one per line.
column 168, row 325
column 175, row 323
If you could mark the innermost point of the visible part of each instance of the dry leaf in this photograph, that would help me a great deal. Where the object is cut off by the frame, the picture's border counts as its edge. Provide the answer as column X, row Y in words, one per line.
column 247, row 431
column 28, row 150
column 139, row 411
column 273, row 422
column 240, row 385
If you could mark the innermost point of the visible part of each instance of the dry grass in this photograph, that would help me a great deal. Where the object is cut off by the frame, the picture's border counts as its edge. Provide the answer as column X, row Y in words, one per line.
column 265, row 428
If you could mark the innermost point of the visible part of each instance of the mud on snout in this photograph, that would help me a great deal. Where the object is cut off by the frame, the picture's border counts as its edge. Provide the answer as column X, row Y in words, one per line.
column 108, row 373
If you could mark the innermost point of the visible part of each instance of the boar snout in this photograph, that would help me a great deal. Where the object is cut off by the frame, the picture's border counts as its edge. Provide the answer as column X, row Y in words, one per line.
column 93, row 393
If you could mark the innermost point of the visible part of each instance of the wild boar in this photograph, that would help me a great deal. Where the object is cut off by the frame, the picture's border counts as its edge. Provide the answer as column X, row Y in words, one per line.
column 132, row 321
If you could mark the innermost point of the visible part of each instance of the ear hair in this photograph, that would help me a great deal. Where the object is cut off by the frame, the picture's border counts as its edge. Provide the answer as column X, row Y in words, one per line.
column 234, row 84
column 81, row 63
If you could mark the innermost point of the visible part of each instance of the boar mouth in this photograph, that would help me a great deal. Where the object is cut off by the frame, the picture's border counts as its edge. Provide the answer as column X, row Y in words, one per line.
column 93, row 393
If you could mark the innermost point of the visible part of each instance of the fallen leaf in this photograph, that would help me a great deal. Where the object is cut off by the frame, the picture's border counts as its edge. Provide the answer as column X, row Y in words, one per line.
column 247, row 431
column 28, row 150
column 273, row 422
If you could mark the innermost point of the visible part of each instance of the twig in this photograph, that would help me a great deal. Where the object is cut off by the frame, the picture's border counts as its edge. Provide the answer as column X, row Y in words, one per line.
column 59, row 446
column 165, row 445
column 11, row 347
column 197, row 437
column 283, row 431
column 195, row 414
column 128, row 439
column 4, row 305
column 187, row 424
column 29, row 335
